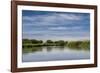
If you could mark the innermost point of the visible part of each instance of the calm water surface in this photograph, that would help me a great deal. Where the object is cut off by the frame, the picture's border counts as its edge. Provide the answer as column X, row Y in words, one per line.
column 53, row 53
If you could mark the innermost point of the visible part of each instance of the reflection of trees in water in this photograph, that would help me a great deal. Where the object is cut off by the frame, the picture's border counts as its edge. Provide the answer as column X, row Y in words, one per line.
column 51, row 48
column 40, row 49
column 78, row 48
column 33, row 49
column 60, row 47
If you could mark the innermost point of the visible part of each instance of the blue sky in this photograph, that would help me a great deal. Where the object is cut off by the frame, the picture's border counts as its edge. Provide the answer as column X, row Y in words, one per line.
column 44, row 25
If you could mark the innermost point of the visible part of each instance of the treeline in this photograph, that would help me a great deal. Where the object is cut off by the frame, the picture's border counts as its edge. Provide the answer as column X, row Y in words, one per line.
column 72, row 44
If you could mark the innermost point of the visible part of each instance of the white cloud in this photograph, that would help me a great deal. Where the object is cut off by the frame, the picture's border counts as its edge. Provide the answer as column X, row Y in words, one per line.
column 70, row 16
column 51, row 18
column 66, row 28
column 57, row 28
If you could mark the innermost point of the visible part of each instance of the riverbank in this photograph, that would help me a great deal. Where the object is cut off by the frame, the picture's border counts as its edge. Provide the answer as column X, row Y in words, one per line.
column 72, row 44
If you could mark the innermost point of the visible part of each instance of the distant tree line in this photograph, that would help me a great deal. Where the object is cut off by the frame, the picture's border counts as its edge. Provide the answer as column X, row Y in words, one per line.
column 72, row 44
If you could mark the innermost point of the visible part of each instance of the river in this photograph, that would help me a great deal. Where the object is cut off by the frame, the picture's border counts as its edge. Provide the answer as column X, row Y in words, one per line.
column 54, row 53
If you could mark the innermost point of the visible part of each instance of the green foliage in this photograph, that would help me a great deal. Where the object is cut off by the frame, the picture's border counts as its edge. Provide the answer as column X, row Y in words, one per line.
column 79, row 44
column 32, row 41
column 24, row 41
column 60, row 43
column 49, row 41
column 71, row 44
column 36, row 41
column 85, row 44
column 74, row 44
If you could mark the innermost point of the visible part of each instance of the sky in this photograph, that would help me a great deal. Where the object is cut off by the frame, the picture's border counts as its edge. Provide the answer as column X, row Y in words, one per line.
column 49, row 25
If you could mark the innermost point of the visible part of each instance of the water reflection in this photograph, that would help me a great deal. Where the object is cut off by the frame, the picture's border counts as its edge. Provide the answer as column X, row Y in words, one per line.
column 49, row 48
column 53, row 53
column 52, row 48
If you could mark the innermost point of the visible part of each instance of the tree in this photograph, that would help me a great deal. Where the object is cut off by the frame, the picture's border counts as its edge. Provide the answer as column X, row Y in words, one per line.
column 49, row 41
column 26, row 41
column 61, row 43
column 40, row 41
column 73, row 44
column 34, row 41
column 85, row 44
